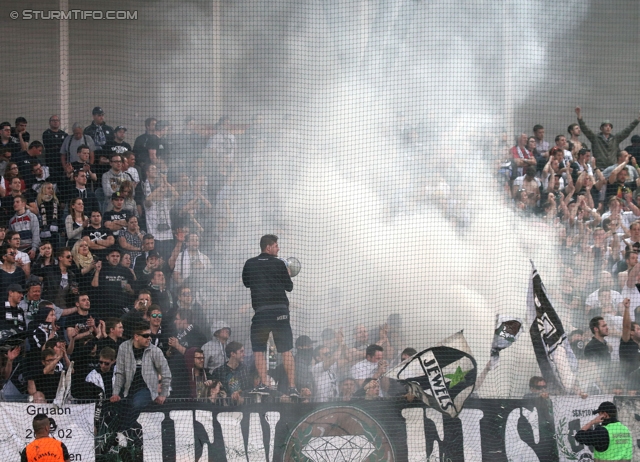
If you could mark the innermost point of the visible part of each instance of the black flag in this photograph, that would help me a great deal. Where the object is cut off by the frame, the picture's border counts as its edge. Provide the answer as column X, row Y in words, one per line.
column 549, row 339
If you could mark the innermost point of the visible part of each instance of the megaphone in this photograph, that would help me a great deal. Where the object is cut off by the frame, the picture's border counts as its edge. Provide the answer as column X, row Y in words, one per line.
column 293, row 265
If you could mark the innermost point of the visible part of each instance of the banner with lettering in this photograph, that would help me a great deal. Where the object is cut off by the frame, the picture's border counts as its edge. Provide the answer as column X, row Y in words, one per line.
column 71, row 424
column 378, row 430
column 570, row 414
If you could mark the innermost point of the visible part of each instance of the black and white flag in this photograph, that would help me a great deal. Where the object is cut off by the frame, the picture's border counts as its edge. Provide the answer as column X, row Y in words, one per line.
column 443, row 376
column 553, row 353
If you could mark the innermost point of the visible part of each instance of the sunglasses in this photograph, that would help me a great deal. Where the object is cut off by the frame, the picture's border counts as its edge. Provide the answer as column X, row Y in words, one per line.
column 144, row 335
column 105, row 363
column 156, row 315
column 540, row 387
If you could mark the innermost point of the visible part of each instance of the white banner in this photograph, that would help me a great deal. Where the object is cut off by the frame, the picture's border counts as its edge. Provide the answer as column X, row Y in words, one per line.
column 74, row 428
column 570, row 414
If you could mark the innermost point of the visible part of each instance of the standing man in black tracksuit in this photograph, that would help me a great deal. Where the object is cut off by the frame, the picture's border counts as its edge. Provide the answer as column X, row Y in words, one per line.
column 268, row 278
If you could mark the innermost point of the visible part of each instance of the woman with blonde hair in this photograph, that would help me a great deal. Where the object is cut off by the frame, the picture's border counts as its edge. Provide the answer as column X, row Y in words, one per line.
column 50, row 213
column 85, row 265
column 76, row 221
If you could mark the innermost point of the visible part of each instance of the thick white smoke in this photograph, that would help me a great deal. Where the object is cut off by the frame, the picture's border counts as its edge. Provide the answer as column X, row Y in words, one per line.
column 379, row 228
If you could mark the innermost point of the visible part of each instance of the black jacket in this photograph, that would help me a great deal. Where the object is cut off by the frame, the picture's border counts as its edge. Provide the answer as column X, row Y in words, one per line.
column 268, row 279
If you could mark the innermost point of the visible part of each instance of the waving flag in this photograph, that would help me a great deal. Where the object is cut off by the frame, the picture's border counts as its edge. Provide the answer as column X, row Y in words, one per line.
column 443, row 376
column 553, row 353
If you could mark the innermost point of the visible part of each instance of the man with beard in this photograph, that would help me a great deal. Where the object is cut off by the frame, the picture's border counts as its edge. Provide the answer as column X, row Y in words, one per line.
column 187, row 336
column 10, row 273
column 117, row 145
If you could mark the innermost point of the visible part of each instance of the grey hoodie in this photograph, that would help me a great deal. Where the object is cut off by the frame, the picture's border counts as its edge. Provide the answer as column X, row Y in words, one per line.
column 214, row 355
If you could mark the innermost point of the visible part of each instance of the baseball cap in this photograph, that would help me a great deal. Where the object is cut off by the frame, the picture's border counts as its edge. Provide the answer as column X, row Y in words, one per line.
column 606, row 406
column 120, row 127
column 97, row 110
column 116, row 195
column 15, row 288
column 33, row 281
column 304, row 341
column 153, row 253
column 606, row 122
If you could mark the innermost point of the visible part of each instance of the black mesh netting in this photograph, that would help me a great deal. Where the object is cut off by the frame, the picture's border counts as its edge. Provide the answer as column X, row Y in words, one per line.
column 451, row 187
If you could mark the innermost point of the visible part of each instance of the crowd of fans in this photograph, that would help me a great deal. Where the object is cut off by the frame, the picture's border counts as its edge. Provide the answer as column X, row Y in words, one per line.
column 589, row 196
column 101, row 246
column 100, row 249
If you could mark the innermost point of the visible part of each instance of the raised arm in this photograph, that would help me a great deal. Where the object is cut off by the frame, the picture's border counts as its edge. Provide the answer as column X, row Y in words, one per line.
column 627, row 131
column 614, row 174
column 626, row 320
column 632, row 277
column 583, row 126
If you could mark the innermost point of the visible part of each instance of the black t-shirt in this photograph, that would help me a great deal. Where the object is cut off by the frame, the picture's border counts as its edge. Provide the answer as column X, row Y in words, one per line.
column 110, row 295
column 112, row 147
column 112, row 215
column 97, row 234
column 47, row 384
column 138, row 381
column 26, row 136
column 6, row 279
column 163, row 148
column 597, row 351
column 161, row 340
column 52, row 143
column 78, row 321
column 629, row 354
column 142, row 145
column 191, row 337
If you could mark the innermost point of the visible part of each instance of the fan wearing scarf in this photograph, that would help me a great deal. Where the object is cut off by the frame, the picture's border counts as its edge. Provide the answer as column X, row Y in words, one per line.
column 43, row 325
